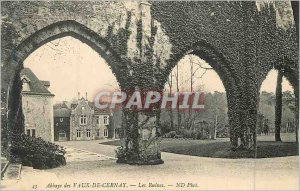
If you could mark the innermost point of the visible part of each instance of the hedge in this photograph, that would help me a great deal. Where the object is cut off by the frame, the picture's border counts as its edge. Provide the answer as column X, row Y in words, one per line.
column 36, row 152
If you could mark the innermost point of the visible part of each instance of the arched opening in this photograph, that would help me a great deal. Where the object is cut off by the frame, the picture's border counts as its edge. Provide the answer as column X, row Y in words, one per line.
column 74, row 73
column 53, row 38
column 192, row 74
column 220, row 91
column 276, row 81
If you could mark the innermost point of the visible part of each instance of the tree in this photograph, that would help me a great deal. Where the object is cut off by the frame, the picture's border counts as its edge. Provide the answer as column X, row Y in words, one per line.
column 278, row 106
column 170, row 84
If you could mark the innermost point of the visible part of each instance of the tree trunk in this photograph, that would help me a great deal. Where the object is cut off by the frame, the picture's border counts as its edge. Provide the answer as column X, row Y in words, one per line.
column 278, row 106
column 177, row 87
column 296, row 114
column 171, row 109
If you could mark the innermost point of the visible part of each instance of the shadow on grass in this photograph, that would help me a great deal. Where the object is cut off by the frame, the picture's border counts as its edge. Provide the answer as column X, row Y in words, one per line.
column 221, row 149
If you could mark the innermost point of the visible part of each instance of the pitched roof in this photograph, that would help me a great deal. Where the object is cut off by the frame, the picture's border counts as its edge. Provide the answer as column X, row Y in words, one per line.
column 102, row 111
column 36, row 86
column 45, row 83
column 62, row 112
column 60, row 105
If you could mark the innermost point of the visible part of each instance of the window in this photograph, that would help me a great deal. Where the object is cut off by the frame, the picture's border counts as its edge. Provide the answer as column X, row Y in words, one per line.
column 61, row 119
column 116, row 132
column 105, row 120
column 83, row 120
column 62, row 134
column 98, row 133
column 88, row 133
column 98, row 119
column 105, row 132
column 30, row 132
column 78, row 133
column 26, row 87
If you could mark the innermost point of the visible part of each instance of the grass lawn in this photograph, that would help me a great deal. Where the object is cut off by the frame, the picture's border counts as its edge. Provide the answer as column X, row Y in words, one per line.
column 220, row 148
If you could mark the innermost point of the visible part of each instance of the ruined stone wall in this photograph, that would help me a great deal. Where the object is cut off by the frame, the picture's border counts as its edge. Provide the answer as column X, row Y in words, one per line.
column 241, row 42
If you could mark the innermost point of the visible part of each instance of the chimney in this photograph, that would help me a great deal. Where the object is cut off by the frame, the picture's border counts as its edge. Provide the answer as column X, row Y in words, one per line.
column 86, row 95
column 78, row 96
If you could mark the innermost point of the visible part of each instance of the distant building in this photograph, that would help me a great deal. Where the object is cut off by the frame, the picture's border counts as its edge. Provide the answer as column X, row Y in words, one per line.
column 82, row 122
column 104, row 124
column 62, row 123
column 88, row 123
column 37, row 106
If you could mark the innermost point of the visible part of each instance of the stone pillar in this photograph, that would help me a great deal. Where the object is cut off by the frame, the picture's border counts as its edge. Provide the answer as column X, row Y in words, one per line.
column 140, row 140
column 149, row 140
column 145, row 17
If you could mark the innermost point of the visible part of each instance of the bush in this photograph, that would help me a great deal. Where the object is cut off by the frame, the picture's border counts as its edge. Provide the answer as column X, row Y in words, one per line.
column 36, row 152
column 121, row 155
column 171, row 134
column 124, row 155
column 165, row 128
column 190, row 134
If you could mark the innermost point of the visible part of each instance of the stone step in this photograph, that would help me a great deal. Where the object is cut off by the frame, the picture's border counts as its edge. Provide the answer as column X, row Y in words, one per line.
column 4, row 165
column 12, row 172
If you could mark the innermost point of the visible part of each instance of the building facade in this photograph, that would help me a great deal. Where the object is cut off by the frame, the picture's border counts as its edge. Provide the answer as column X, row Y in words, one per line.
column 104, row 124
column 37, row 106
column 82, row 123
column 62, row 123
column 87, row 123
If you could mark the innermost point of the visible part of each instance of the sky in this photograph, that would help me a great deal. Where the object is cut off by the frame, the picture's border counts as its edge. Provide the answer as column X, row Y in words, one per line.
column 72, row 66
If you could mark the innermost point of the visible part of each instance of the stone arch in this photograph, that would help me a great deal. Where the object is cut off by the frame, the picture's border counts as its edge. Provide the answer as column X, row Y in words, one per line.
column 214, row 58
column 78, row 31
column 289, row 70
column 227, row 74
column 217, row 61
column 51, row 32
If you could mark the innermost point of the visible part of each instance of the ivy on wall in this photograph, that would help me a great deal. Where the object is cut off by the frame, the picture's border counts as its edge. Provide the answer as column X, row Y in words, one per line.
column 241, row 42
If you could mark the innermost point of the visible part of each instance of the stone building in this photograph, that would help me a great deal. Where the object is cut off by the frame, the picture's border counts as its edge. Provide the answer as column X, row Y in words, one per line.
column 88, row 123
column 62, row 123
column 104, row 124
column 37, row 106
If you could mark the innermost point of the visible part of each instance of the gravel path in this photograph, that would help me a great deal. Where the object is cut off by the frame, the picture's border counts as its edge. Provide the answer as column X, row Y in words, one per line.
column 190, row 172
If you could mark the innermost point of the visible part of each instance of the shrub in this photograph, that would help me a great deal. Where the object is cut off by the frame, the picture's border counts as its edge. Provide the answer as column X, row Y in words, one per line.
column 171, row 134
column 36, row 152
column 165, row 128
column 121, row 155
column 124, row 155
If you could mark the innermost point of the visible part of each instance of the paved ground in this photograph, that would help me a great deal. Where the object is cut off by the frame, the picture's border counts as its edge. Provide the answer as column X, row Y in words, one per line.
column 77, row 155
column 202, row 173
column 91, row 146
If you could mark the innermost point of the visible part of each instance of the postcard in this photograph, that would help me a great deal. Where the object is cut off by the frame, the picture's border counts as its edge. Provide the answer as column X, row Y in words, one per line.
column 149, row 95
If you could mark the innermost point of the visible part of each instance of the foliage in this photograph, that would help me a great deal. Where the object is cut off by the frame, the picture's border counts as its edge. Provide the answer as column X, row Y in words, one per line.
column 126, row 155
column 171, row 134
column 36, row 152
column 240, row 42
column 267, row 109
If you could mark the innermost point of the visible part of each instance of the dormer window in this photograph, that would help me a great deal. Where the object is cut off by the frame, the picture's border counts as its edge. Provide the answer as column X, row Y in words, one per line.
column 26, row 81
